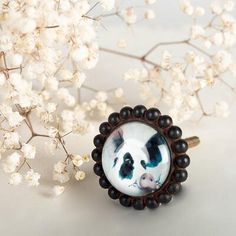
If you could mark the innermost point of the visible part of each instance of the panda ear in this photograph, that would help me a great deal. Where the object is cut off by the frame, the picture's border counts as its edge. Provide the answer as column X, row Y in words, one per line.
column 155, row 141
column 152, row 146
column 118, row 139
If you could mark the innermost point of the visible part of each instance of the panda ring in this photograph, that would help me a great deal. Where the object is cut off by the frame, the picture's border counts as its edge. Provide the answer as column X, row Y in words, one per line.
column 140, row 157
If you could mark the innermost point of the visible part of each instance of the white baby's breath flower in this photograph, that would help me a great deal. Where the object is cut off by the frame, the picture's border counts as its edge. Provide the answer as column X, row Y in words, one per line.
column 222, row 60
column 11, row 162
column 102, row 106
column 149, row 14
column 107, row 4
column 5, row 42
column 216, row 8
column 101, row 96
column 197, row 31
column 52, row 131
column 135, row 74
column 186, row 7
column 11, row 140
column 51, row 107
column 32, row 178
column 122, row 43
column 14, row 119
column 58, row 190
column 166, row 60
column 199, row 11
column 80, row 175
column 16, row 60
column 129, row 15
column 229, row 5
column 150, row 1
column 229, row 39
column 77, row 160
column 86, row 158
column 78, row 79
column 80, row 53
column 51, row 146
column 60, row 167
column 119, row 92
column 66, row 97
column 15, row 179
column 28, row 150
column 81, row 128
column 26, row 25
column 61, row 177
column 52, row 83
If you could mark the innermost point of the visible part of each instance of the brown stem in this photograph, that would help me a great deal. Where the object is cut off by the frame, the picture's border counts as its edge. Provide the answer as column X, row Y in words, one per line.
column 90, row 88
column 140, row 58
column 66, row 134
column 227, row 85
column 163, row 44
column 22, row 164
column 63, row 145
column 199, row 49
column 200, row 104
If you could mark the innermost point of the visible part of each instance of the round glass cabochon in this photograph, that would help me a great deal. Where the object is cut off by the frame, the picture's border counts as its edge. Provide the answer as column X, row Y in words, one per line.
column 136, row 159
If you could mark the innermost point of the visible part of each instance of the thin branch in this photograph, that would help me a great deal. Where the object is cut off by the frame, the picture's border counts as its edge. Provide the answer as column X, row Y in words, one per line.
column 63, row 145
column 66, row 134
column 163, row 44
column 200, row 104
column 199, row 49
column 140, row 58
column 90, row 88
column 91, row 8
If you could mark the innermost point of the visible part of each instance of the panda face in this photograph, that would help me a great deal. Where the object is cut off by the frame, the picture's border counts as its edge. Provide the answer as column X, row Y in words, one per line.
column 136, row 159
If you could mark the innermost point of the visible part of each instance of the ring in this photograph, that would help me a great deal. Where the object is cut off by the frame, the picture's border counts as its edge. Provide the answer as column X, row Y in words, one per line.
column 140, row 157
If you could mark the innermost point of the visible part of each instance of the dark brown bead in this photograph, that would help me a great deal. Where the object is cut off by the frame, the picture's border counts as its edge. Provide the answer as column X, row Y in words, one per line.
column 164, row 121
column 104, row 183
column 98, row 170
column 164, row 198
column 180, row 146
column 174, row 132
column 174, row 188
column 126, row 112
column 138, row 204
column 152, row 114
column 182, row 161
column 180, row 175
column 125, row 201
column 113, row 193
column 96, row 155
column 151, row 203
column 139, row 111
column 105, row 128
column 114, row 118
column 98, row 140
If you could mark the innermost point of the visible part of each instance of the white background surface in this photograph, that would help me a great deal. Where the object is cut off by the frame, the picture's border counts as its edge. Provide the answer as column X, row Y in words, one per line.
column 206, row 206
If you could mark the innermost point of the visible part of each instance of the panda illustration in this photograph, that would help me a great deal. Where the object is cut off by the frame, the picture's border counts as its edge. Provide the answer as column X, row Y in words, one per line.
column 136, row 159
column 154, row 154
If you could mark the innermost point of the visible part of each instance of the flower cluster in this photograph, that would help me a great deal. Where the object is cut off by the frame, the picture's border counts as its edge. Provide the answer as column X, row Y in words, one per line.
column 205, row 64
column 205, row 61
column 45, row 49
